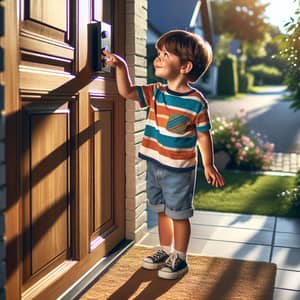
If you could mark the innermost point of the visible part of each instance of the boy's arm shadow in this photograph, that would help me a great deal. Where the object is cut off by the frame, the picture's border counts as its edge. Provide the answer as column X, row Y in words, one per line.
column 81, row 79
column 147, row 280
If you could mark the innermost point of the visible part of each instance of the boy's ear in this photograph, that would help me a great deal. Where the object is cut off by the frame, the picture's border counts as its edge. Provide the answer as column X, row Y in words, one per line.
column 187, row 67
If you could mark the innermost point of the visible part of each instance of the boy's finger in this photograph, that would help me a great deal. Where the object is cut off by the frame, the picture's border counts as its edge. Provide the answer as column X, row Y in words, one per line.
column 106, row 53
column 208, row 179
column 221, row 182
column 212, row 180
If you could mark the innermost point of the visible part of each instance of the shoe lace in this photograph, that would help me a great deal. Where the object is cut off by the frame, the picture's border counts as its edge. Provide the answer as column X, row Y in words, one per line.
column 171, row 261
column 159, row 254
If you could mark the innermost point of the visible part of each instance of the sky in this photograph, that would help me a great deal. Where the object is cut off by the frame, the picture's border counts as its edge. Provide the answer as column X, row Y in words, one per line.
column 280, row 11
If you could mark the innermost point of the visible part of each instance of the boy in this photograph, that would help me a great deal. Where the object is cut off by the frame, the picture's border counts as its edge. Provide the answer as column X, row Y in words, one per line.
column 178, row 118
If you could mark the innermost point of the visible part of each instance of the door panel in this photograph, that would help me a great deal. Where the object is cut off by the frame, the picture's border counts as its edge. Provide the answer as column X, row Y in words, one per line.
column 102, row 149
column 49, row 12
column 46, row 164
column 46, row 32
column 50, row 238
column 47, row 18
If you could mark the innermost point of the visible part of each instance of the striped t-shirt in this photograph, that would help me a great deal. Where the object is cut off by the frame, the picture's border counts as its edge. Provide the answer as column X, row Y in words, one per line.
column 170, row 134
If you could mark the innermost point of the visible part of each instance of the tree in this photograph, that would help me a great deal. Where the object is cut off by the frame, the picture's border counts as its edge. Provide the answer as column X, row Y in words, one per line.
column 290, row 51
column 244, row 19
column 217, row 8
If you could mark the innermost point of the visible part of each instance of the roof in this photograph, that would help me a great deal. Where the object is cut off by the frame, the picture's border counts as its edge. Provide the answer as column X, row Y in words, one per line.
column 170, row 14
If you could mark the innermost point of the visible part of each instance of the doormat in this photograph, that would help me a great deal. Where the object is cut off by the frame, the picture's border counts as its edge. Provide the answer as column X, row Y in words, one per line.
column 209, row 278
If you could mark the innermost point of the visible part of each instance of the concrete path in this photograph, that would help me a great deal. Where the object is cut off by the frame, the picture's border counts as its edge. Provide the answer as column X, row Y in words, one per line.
column 248, row 237
column 286, row 162
column 268, row 114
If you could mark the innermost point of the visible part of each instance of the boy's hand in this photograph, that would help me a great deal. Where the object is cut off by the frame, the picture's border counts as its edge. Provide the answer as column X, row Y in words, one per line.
column 110, row 59
column 213, row 176
column 124, row 84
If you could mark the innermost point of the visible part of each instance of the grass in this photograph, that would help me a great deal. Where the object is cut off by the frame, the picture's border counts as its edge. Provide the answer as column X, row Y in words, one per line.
column 246, row 193
column 260, row 88
column 254, row 90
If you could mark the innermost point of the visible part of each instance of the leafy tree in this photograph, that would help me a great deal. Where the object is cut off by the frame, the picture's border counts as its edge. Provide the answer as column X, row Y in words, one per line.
column 290, row 50
column 271, row 50
column 245, row 20
column 242, row 20
column 222, row 48
column 217, row 8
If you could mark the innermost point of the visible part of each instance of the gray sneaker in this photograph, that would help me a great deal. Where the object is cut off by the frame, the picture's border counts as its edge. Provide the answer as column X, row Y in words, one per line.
column 174, row 268
column 155, row 261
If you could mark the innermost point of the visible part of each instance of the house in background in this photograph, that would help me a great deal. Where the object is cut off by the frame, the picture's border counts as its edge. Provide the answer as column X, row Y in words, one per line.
column 194, row 16
column 71, row 185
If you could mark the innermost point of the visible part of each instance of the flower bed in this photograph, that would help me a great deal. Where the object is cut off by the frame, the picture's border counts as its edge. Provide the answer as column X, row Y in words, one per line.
column 248, row 150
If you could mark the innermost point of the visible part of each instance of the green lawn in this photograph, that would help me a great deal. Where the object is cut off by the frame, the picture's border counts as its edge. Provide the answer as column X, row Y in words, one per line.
column 247, row 193
column 260, row 88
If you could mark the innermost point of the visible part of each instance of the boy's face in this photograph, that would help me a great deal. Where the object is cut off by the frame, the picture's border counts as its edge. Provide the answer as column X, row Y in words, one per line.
column 166, row 64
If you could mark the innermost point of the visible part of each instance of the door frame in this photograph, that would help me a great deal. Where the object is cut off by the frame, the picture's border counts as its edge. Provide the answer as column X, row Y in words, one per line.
column 70, row 270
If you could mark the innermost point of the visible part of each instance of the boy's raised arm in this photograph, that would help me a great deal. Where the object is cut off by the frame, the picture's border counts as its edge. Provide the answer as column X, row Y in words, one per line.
column 124, row 84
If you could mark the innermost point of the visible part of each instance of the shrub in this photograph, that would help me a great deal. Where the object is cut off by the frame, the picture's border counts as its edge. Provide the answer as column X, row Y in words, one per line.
column 248, row 150
column 264, row 74
column 246, row 81
column 227, row 76
column 292, row 196
column 290, row 48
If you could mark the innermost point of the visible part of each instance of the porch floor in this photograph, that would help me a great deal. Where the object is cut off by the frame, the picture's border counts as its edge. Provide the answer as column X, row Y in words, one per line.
column 249, row 237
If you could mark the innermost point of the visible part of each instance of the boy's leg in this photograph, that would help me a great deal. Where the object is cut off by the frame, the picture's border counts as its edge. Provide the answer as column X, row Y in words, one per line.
column 182, row 232
column 165, row 230
column 178, row 190
column 165, row 226
column 176, row 265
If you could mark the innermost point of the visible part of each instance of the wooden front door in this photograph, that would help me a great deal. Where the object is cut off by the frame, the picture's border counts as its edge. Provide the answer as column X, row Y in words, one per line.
column 69, row 147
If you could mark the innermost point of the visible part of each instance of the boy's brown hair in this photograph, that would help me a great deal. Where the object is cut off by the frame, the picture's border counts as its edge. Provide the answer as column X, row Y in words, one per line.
column 188, row 46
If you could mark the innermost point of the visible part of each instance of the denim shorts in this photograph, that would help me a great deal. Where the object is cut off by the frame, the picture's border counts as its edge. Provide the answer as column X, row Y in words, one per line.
column 170, row 191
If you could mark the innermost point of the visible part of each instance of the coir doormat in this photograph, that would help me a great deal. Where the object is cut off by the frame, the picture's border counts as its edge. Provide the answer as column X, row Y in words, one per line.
column 209, row 278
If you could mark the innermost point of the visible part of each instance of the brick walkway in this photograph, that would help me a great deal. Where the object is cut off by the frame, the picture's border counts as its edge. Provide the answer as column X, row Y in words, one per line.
column 286, row 162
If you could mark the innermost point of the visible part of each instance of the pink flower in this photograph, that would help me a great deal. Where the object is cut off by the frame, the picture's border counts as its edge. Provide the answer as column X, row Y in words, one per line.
column 241, row 113
column 269, row 147
column 251, row 144
column 238, row 145
column 243, row 153
column 234, row 132
column 245, row 139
